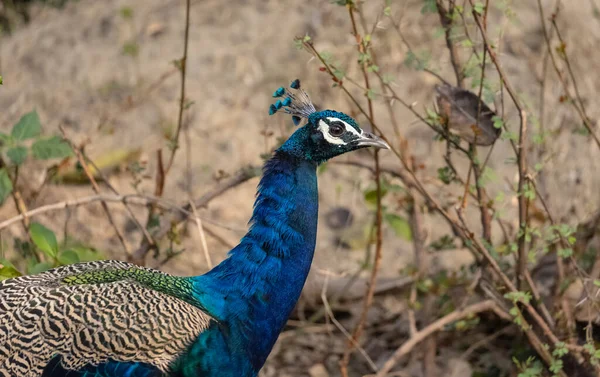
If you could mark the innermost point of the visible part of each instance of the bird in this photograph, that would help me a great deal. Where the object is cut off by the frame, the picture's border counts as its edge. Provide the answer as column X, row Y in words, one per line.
column 466, row 115
column 115, row 319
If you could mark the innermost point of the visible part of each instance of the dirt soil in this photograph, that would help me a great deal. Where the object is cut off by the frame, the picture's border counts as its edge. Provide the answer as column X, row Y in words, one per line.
column 109, row 80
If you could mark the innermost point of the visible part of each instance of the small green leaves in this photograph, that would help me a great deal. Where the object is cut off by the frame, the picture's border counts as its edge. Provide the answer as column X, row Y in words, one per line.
column 6, row 186
column 400, row 225
column 498, row 122
column 17, row 155
column 131, row 48
column 44, row 239
column 27, row 127
column 446, row 175
column 530, row 368
column 388, row 78
column 478, row 7
column 565, row 253
column 39, row 268
column 1, row 81
column 370, row 94
column 418, row 61
column 560, row 349
column 371, row 195
column 8, row 272
column 68, row 257
column 52, row 147
column 15, row 146
column 126, row 13
column 519, row 296
column 299, row 42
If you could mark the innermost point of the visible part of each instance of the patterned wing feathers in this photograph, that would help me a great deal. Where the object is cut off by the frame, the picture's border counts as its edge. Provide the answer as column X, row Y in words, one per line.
column 90, row 323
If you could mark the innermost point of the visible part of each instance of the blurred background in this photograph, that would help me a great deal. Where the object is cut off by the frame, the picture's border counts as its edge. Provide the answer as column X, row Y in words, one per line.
column 104, row 77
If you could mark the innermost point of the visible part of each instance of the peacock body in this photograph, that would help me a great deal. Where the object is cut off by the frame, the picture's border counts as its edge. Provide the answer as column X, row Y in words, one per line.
column 116, row 319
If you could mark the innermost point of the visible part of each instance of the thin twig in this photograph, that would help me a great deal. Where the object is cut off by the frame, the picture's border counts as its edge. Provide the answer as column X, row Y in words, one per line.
column 182, row 104
column 95, row 187
column 202, row 236
column 580, row 110
column 106, row 182
column 357, row 332
column 439, row 325
column 521, row 156
column 480, row 343
column 134, row 199
column 446, row 22
column 340, row 327
column 566, row 307
column 163, row 171
column 235, row 180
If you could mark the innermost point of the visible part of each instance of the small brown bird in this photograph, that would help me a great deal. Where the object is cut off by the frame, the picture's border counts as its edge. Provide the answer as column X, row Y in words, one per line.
column 458, row 109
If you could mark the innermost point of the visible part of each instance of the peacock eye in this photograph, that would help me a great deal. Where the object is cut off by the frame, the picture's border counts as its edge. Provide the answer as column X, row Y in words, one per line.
column 336, row 129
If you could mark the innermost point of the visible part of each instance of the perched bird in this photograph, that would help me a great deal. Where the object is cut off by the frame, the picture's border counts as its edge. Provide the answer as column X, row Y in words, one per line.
column 466, row 115
column 115, row 319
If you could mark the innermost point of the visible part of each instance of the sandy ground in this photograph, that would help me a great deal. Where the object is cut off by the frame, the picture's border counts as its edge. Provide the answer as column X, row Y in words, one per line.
column 69, row 65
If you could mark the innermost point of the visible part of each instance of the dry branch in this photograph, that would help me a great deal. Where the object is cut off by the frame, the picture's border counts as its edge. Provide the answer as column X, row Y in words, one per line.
column 438, row 325
column 238, row 178
column 96, row 188
column 368, row 300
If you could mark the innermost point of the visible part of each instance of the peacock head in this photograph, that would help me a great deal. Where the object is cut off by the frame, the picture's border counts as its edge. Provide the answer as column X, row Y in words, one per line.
column 326, row 134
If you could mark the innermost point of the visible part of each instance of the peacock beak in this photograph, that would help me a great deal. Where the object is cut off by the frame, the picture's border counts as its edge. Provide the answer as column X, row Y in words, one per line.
column 368, row 139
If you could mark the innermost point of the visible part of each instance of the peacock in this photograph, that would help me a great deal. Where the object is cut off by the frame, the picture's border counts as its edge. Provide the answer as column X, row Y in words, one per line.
column 116, row 319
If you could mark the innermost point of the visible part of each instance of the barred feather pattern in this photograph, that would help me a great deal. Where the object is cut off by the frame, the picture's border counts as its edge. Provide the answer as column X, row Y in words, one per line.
column 123, row 320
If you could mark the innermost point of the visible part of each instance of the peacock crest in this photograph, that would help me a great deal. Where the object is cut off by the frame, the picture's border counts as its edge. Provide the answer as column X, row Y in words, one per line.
column 297, row 103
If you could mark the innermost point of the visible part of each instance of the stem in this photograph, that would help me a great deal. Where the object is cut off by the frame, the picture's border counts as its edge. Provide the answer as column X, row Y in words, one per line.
column 368, row 300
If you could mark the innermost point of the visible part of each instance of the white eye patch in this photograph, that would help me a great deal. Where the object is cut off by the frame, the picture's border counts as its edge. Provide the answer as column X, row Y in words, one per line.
column 324, row 128
column 349, row 128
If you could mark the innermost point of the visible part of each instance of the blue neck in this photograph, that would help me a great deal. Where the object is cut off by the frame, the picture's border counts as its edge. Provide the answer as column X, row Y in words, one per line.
column 253, row 292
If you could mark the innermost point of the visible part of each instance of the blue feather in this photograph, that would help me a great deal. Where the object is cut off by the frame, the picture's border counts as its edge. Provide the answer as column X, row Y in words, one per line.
column 279, row 92
column 272, row 109
column 247, row 299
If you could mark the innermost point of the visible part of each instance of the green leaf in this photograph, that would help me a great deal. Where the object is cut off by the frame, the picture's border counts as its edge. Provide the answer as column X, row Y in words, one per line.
column 7, row 272
column 126, row 12
column 68, row 257
column 498, row 121
column 86, row 254
column 6, row 186
column 565, row 253
column 27, row 127
column 40, row 267
column 371, row 195
column 478, row 7
column 53, row 147
column 17, row 154
column 400, row 225
column 44, row 239
column 1, row 81
column 5, row 139
column 446, row 175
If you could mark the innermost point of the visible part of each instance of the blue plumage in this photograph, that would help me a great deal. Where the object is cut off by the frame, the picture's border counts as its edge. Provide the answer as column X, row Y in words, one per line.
column 223, row 323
